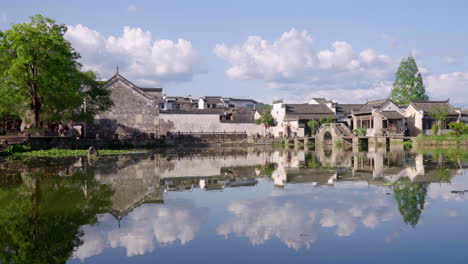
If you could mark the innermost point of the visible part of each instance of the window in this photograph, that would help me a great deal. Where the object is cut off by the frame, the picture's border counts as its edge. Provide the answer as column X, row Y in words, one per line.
column 161, row 105
column 176, row 106
column 249, row 106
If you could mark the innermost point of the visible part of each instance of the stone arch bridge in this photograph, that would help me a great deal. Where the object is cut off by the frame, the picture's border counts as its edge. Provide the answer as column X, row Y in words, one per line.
column 331, row 133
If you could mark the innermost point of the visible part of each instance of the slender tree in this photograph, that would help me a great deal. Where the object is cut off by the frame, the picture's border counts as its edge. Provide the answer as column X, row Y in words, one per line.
column 408, row 85
column 266, row 119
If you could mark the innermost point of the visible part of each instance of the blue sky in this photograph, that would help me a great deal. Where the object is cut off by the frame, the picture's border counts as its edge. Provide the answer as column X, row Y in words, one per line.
column 344, row 50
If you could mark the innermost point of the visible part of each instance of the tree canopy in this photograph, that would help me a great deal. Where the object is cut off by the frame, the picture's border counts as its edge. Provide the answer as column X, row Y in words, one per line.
column 408, row 85
column 37, row 225
column 40, row 75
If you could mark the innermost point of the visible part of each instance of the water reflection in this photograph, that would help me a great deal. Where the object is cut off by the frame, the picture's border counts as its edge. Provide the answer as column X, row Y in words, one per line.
column 54, row 210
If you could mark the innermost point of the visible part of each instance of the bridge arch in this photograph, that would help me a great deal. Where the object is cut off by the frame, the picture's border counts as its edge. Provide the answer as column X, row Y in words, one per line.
column 329, row 134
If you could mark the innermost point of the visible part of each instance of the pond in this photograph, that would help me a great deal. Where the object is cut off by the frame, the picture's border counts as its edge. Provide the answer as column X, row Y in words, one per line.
column 237, row 206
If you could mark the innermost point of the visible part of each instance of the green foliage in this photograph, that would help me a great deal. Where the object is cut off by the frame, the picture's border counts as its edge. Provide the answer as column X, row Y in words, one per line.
column 459, row 128
column 17, row 148
column 328, row 120
column 442, row 138
column 96, row 98
column 410, row 198
column 407, row 145
column 268, row 169
column 40, row 74
column 262, row 108
column 408, row 85
column 37, row 225
column 266, row 119
column 312, row 162
column 58, row 153
column 313, row 125
column 360, row 132
column 435, row 129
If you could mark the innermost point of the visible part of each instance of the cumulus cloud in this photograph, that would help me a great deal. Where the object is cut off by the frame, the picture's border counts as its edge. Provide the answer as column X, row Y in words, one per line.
column 296, row 219
column 137, row 54
column 144, row 228
column 451, row 85
column 292, row 62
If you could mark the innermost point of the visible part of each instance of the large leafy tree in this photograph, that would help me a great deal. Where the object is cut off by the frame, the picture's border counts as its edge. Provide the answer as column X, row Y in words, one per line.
column 40, row 75
column 37, row 225
column 410, row 198
column 408, row 85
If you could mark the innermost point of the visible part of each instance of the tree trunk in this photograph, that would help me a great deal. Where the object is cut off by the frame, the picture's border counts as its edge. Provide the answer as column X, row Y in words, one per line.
column 439, row 123
column 35, row 105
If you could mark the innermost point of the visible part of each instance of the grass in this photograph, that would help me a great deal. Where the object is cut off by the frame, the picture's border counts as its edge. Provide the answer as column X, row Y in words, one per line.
column 451, row 153
column 59, row 153
column 442, row 138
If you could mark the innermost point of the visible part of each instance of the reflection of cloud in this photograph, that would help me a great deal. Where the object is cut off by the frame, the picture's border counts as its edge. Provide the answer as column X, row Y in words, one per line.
column 296, row 219
column 444, row 190
column 452, row 212
column 164, row 224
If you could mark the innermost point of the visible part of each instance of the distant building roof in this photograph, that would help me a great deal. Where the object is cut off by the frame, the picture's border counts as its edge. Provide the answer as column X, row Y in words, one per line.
column 322, row 100
column 346, row 109
column 392, row 115
column 367, row 108
column 308, row 111
column 151, row 89
column 430, row 106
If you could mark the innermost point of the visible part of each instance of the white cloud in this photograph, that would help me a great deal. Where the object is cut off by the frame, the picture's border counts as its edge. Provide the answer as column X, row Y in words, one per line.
column 131, row 8
column 138, row 56
column 451, row 85
column 292, row 63
column 145, row 227
column 296, row 218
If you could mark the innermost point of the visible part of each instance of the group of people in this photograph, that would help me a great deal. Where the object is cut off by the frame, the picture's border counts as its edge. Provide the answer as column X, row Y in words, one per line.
column 61, row 129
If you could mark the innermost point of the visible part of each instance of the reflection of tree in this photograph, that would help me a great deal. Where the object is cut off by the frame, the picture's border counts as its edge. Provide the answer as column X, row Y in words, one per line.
column 40, row 220
column 312, row 162
column 267, row 170
column 410, row 198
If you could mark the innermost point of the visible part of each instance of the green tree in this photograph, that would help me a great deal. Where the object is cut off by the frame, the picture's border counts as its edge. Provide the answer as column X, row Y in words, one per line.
column 40, row 71
column 96, row 98
column 266, row 119
column 408, row 85
column 410, row 198
column 41, row 215
column 440, row 115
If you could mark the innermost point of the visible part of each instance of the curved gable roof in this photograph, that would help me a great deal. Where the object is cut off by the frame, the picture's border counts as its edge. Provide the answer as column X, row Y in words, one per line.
column 117, row 77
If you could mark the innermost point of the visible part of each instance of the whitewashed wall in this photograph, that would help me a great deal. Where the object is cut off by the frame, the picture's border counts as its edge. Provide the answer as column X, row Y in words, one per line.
column 205, row 123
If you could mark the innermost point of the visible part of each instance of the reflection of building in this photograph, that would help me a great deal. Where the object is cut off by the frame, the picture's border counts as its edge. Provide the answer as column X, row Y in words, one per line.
column 134, row 183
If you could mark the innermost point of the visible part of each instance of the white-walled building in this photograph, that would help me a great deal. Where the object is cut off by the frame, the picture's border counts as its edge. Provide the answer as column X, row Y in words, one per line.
column 210, row 102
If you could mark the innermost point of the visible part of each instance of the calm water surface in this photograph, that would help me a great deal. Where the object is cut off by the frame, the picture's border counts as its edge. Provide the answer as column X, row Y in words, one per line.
column 226, row 206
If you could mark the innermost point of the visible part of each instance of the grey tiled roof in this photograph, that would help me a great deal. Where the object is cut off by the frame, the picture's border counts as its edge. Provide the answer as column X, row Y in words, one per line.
column 345, row 109
column 308, row 111
column 392, row 115
column 430, row 106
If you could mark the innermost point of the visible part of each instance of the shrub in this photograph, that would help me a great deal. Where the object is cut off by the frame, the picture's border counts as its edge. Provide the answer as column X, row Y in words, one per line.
column 360, row 131
column 17, row 148
column 435, row 129
column 459, row 128
column 313, row 125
